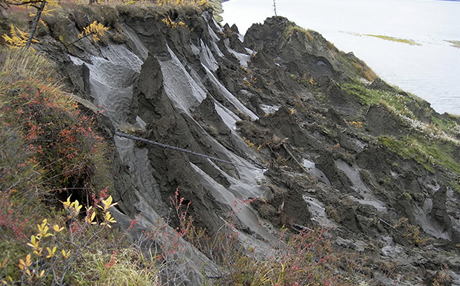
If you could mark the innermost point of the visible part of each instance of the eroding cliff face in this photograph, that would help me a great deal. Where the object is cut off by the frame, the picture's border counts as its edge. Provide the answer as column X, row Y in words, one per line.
column 279, row 103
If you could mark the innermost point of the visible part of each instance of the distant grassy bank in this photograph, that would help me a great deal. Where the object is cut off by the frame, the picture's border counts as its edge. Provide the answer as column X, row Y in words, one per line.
column 394, row 39
column 455, row 44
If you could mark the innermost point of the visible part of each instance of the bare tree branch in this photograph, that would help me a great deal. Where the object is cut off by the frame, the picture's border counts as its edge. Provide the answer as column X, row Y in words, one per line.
column 35, row 23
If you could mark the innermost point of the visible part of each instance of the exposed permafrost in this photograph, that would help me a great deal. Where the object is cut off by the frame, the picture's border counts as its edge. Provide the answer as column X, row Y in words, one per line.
column 243, row 211
column 141, row 172
column 111, row 78
column 269, row 109
column 139, row 48
column 207, row 58
column 366, row 196
column 180, row 87
column 242, row 58
column 318, row 212
column 422, row 217
column 191, row 83
column 213, row 34
column 317, row 173
column 227, row 116
column 229, row 96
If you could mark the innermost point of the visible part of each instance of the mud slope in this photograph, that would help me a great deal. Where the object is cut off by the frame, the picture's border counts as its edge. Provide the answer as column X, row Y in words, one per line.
column 320, row 149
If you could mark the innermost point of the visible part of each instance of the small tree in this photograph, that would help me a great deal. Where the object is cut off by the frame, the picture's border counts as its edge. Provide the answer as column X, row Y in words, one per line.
column 42, row 6
column 17, row 38
column 35, row 23
column 274, row 7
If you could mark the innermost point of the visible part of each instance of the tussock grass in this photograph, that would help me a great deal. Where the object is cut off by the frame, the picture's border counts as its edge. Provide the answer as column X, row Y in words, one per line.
column 23, row 64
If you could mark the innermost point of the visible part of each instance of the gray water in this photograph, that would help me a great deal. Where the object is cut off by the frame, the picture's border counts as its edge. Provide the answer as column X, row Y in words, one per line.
column 430, row 70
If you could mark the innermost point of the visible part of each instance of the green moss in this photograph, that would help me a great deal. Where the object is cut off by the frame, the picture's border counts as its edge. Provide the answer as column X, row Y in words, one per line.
column 393, row 39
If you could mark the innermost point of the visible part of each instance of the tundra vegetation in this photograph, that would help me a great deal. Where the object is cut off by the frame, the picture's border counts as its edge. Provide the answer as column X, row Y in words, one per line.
column 55, row 180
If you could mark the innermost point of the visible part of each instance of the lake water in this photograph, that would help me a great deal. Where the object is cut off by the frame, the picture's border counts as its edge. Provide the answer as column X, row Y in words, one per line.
column 430, row 70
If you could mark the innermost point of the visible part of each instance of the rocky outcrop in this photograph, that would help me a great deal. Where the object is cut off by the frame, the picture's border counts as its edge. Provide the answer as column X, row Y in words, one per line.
column 317, row 153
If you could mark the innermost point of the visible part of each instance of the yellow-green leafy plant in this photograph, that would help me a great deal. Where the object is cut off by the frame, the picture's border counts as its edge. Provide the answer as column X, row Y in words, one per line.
column 17, row 38
column 95, row 29
column 173, row 24
column 182, row 2
column 54, row 252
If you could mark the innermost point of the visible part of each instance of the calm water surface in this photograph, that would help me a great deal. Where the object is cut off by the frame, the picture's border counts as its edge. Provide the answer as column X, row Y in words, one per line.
column 430, row 70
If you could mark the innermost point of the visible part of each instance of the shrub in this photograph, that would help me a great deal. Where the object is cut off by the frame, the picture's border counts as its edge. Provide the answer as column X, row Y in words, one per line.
column 297, row 258
column 59, row 141
column 48, row 148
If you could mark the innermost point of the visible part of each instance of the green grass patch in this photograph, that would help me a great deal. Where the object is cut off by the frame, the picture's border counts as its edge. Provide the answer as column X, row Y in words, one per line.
column 429, row 146
column 365, row 95
column 388, row 99
column 407, row 149
column 393, row 39
column 446, row 124
column 424, row 151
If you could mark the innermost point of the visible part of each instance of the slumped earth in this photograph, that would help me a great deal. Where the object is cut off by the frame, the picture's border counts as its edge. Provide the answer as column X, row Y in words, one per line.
column 327, row 143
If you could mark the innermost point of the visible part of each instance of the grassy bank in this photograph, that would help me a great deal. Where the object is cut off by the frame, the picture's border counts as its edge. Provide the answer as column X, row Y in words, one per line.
column 394, row 39
column 430, row 142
